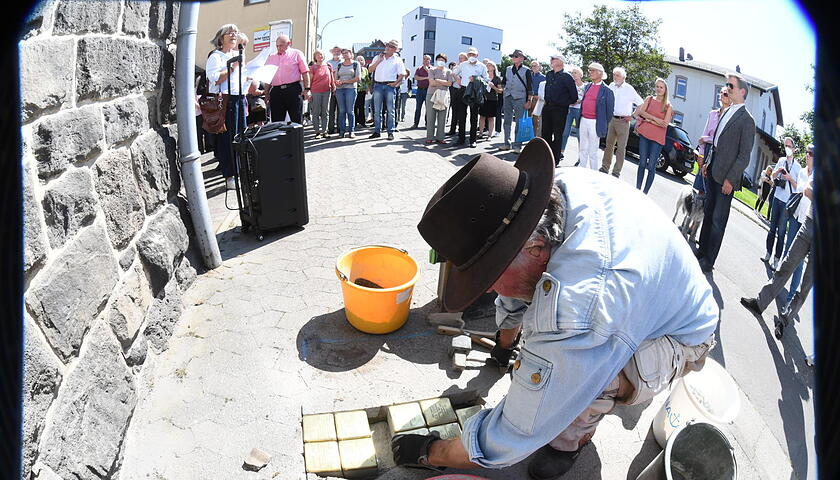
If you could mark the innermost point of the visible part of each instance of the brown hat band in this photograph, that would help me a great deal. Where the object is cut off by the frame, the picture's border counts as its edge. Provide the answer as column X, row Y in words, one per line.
column 502, row 226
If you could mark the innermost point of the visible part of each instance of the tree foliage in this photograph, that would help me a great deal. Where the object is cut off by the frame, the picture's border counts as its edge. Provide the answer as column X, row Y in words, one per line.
column 616, row 37
column 506, row 62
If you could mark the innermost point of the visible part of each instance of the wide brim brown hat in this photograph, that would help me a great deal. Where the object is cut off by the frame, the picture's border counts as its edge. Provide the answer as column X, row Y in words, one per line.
column 483, row 215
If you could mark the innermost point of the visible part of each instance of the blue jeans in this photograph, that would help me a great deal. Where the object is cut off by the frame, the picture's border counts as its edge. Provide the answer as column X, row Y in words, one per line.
column 513, row 110
column 346, row 98
column 796, row 277
column 778, row 224
column 648, row 155
column 574, row 114
column 420, row 99
column 234, row 120
column 383, row 94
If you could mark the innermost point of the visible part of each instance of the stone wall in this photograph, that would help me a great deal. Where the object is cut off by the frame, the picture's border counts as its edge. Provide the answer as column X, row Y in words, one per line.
column 105, row 229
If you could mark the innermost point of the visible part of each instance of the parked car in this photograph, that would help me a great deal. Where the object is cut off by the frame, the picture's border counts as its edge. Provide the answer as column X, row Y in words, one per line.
column 677, row 152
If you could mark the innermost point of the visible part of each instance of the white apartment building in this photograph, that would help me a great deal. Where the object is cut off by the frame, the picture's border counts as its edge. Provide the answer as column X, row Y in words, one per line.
column 694, row 87
column 428, row 31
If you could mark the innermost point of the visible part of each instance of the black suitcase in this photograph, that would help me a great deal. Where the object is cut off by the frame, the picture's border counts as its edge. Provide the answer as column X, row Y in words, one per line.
column 272, row 177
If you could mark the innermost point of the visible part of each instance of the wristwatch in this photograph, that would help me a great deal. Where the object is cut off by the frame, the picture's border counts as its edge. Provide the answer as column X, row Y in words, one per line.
column 306, row 89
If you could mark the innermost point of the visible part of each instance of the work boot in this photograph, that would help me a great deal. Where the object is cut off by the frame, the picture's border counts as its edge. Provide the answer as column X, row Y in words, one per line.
column 751, row 304
column 550, row 464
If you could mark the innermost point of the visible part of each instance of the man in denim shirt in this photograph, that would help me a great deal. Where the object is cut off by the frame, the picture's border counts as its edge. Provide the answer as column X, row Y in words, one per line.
column 605, row 317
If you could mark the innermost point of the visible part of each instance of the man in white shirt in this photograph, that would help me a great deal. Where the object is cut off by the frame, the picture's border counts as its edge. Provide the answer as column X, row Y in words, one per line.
column 388, row 71
column 469, row 71
column 626, row 100
column 785, row 175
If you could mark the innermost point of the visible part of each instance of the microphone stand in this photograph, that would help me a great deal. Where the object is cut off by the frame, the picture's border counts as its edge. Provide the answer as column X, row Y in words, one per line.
column 239, row 130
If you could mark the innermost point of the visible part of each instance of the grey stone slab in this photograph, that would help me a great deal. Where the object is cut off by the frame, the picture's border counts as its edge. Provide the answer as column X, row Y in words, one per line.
column 164, row 20
column 41, row 379
column 34, row 239
column 127, row 257
column 162, row 246
column 92, row 412
column 162, row 316
column 136, row 354
column 125, row 119
column 111, row 67
column 65, row 138
column 91, row 16
column 69, row 204
column 166, row 94
column 185, row 274
column 46, row 77
column 129, row 305
column 120, row 196
column 154, row 157
column 39, row 18
column 136, row 18
column 88, row 269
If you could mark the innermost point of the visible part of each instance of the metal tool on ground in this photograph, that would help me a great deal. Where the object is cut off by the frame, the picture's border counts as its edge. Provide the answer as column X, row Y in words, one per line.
column 446, row 318
column 444, row 330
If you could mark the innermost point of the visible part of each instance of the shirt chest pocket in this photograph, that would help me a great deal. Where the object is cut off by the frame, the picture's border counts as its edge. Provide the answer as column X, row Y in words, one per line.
column 544, row 306
column 525, row 398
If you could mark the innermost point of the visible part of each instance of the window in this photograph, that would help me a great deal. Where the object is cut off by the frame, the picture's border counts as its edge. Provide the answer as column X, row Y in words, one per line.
column 412, row 38
column 429, row 35
column 466, row 40
column 716, row 98
column 680, row 87
column 495, row 46
column 677, row 119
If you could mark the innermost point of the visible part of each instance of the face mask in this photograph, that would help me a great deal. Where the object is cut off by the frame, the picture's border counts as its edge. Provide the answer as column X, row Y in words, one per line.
column 473, row 59
column 789, row 151
column 440, row 63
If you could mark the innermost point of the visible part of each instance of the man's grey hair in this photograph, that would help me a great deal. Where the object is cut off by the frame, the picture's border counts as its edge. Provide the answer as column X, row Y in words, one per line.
column 427, row 56
column 620, row 70
column 552, row 223
column 221, row 32
column 741, row 82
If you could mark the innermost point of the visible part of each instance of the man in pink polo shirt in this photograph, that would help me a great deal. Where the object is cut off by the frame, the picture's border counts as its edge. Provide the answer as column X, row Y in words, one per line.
column 286, row 93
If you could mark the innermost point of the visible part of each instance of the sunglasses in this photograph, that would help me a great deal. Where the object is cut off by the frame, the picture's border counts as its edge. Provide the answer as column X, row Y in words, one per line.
column 730, row 86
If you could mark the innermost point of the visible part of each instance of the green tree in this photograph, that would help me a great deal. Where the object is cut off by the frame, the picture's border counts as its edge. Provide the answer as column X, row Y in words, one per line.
column 808, row 117
column 616, row 37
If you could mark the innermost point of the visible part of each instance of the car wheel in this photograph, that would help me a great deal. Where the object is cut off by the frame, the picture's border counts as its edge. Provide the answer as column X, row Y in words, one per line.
column 661, row 163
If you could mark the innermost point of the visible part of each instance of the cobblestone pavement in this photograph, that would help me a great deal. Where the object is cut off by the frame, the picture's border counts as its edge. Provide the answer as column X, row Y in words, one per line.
column 263, row 337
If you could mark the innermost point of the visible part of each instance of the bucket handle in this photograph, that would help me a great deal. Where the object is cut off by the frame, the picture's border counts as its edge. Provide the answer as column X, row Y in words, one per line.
column 344, row 278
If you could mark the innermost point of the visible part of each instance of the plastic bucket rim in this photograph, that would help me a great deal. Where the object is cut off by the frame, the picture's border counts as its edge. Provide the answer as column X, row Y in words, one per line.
column 346, row 279
column 733, row 409
column 666, row 461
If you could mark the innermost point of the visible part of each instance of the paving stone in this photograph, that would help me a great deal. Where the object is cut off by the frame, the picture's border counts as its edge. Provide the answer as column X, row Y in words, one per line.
column 91, row 16
column 162, row 246
column 437, row 411
column 322, row 458
column 406, row 416
column 92, row 412
column 358, row 457
column 69, row 204
column 99, row 76
column 350, row 425
column 416, row 431
column 381, row 434
column 464, row 414
column 87, row 268
column 447, row 431
column 34, row 239
column 319, row 428
column 46, row 78
column 68, row 137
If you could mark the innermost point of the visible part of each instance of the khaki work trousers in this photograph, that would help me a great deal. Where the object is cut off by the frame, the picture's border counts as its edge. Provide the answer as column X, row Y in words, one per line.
column 617, row 133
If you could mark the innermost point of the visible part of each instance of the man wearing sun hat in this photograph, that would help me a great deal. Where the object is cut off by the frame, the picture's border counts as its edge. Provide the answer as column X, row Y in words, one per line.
column 388, row 71
column 569, row 256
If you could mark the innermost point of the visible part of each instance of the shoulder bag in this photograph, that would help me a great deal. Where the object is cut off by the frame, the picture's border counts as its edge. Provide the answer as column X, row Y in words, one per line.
column 793, row 203
column 213, row 109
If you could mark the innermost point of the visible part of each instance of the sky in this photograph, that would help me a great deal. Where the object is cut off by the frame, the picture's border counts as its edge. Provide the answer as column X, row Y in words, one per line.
column 770, row 39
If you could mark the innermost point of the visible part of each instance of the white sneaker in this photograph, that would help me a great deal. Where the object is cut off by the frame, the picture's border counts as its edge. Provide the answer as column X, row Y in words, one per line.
column 776, row 263
column 766, row 257
column 230, row 183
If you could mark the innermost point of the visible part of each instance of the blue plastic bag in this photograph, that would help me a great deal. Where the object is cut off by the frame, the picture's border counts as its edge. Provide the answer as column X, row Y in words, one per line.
column 524, row 129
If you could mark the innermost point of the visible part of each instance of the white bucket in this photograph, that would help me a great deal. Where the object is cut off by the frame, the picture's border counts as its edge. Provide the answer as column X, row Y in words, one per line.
column 709, row 395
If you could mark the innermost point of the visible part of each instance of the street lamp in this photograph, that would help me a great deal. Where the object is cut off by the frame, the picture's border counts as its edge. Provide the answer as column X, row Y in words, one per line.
column 321, row 36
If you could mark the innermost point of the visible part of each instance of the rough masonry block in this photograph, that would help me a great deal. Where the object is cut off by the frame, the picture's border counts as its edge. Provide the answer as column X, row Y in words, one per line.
column 322, row 458
column 88, row 269
column 162, row 246
column 319, row 428
column 154, row 155
column 167, row 113
column 350, row 425
column 39, row 18
column 125, row 119
column 438, row 411
column 92, row 412
column 136, row 18
column 65, row 138
column 34, row 239
column 162, row 316
column 69, row 205
column 41, row 378
column 91, row 16
column 127, row 257
column 46, row 77
column 358, row 457
column 120, row 196
column 115, row 67
column 406, row 416
column 129, row 305
column 164, row 20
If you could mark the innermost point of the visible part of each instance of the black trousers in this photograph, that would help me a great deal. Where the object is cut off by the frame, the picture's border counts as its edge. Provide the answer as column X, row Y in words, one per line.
column 715, row 218
column 499, row 107
column 455, row 94
column 553, row 124
column 459, row 113
column 332, row 116
column 359, row 107
column 473, row 112
column 286, row 100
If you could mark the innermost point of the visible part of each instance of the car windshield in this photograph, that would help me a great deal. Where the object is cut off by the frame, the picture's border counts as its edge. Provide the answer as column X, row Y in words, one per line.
column 679, row 134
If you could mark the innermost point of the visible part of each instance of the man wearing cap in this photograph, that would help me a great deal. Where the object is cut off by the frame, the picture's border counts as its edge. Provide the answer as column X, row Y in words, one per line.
column 388, row 71
column 626, row 100
column 596, row 110
column 568, row 256
column 517, row 97
column 467, row 72
column 560, row 92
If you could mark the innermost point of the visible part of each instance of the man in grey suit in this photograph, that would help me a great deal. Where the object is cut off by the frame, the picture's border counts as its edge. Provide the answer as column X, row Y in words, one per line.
column 733, row 142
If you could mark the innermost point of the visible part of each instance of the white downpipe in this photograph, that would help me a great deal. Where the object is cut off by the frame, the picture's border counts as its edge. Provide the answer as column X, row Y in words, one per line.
column 187, row 140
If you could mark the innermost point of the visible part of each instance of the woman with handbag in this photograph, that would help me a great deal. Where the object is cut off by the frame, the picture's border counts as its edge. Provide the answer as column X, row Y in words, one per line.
column 229, row 107
column 438, row 100
column 766, row 186
column 652, row 119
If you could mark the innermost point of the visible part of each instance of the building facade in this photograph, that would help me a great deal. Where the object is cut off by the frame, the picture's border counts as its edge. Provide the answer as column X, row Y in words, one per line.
column 369, row 51
column 694, row 87
column 427, row 31
column 262, row 21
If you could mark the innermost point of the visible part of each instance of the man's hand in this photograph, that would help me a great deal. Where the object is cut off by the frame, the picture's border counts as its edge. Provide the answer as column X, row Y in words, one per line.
column 306, row 95
column 627, row 118
column 704, row 169
column 412, row 450
column 527, row 104
column 394, row 85
column 726, row 188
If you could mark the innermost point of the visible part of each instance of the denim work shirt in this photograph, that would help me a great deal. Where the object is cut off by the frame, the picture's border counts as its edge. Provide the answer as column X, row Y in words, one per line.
column 623, row 274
